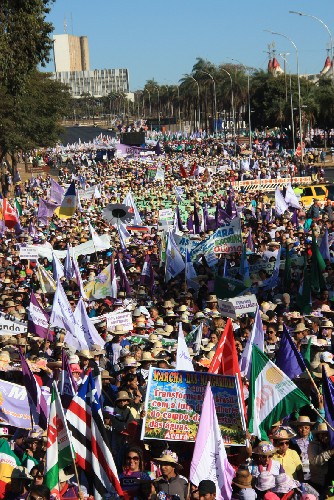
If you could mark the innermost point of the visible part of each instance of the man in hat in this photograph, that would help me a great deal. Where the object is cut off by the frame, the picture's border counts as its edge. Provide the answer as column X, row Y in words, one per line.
column 262, row 460
column 321, row 457
column 303, row 439
column 170, row 482
column 289, row 459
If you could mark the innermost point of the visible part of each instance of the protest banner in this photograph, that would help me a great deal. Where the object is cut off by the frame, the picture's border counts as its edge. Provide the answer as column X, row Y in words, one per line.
column 14, row 405
column 174, row 402
column 227, row 239
column 10, row 325
column 166, row 219
column 86, row 248
column 87, row 194
column 237, row 306
column 270, row 184
column 123, row 318
column 28, row 252
column 262, row 265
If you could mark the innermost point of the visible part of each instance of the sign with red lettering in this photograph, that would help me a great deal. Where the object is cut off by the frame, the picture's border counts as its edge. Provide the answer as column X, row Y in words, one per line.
column 174, row 402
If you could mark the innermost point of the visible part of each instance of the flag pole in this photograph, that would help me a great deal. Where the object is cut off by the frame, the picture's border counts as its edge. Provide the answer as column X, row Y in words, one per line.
column 322, row 418
column 313, row 383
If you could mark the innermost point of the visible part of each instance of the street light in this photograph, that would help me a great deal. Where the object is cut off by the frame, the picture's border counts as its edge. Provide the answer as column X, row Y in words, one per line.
column 299, row 98
column 149, row 100
column 215, row 97
column 283, row 56
column 326, row 28
column 232, row 103
column 247, row 68
column 199, row 108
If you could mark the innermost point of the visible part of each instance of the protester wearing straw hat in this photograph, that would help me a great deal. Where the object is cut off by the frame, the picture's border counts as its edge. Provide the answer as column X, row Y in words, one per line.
column 262, row 460
column 304, row 436
column 170, row 482
column 289, row 459
column 242, row 485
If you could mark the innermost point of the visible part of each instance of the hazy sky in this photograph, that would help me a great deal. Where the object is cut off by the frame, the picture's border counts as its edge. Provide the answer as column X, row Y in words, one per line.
column 161, row 40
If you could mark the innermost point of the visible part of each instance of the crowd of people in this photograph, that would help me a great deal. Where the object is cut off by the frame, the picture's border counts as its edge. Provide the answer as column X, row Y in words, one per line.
column 200, row 178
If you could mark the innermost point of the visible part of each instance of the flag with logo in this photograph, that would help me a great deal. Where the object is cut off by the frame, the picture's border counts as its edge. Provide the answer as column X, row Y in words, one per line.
column 8, row 462
column 147, row 274
column 56, row 192
column 38, row 319
column 89, row 439
column 272, row 395
column 183, row 359
column 10, row 215
column 47, row 283
column 69, row 203
column 58, row 448
column 174, row 261
column 256, row 339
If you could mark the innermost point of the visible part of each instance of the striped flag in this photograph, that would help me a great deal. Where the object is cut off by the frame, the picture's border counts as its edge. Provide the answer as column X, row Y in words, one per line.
column 58, row 448
column 85, row 422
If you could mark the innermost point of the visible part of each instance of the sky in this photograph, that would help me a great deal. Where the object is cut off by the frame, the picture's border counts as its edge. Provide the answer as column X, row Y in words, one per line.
column 162, row 40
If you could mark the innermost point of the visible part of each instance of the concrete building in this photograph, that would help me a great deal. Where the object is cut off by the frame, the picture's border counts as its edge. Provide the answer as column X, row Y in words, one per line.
column 70, row 53
column 97, row 82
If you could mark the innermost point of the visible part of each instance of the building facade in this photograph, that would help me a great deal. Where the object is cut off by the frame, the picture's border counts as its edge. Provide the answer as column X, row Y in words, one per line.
column 71, row 53
column 97, row 82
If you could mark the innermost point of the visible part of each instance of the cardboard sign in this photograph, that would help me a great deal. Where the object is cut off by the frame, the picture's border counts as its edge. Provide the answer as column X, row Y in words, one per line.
column 237, row 306
column 119, row 318
column 29, row 252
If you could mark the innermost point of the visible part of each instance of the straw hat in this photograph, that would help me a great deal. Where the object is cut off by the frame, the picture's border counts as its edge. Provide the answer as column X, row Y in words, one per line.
column 119, row 330
column 63, row 477
column 123, row 396
column 105, row 375
column 321, row 429
column 281, row 434
column 264, row 448
column 327, row 324
column 300, row 328
column 168, row 329
column 243, row 479
column 146, row 356
column 153, row 338
column 302, row 420
column 169, row 457
column 85, row 353
column 130, row 362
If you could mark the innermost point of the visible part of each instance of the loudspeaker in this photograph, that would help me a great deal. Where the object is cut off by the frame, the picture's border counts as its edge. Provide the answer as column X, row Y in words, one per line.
column 133, row 138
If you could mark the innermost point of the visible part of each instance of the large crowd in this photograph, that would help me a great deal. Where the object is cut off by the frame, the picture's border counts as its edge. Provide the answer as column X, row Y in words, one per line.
column 200, row 177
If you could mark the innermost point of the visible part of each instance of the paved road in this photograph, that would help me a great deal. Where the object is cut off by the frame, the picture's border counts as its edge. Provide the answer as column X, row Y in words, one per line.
column 329, row 174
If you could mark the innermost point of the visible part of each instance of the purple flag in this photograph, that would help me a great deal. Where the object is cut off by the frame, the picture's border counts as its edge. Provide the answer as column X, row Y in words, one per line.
column 56, row 192
column 37, row 403
column 190, row 224
column 288, row 358
column 147, row 274
column 328, row 394
column 67, row 385
column 250, row 243
column 124, row 282
column 294, row 218
column 45, row 210
column 196, row 220
column 38, row 319
column 324, row 246
column 205, row 218
column 179, row 220
column 32, row 230
column 230, row 208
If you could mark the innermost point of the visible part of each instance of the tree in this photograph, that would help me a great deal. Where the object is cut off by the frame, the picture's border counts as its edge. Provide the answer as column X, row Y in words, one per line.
column 24, row 41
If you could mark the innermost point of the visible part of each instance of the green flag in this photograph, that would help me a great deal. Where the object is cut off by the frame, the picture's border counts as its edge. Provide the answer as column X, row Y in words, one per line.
column 287, row 269
column 307, row 354
column 317, row 267
column 304, row 299
column 272, row 395
column 18, row 207
column 225, row 288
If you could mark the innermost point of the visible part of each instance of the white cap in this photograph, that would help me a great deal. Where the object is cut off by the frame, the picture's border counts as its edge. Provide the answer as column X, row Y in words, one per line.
column 327, row 357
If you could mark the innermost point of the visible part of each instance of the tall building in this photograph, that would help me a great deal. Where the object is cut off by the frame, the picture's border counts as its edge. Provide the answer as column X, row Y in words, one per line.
column 70, row 53
column 97, row 82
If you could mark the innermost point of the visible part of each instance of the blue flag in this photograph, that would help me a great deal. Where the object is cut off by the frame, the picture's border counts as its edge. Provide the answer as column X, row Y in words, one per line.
column 288, row 358
column 328, row 394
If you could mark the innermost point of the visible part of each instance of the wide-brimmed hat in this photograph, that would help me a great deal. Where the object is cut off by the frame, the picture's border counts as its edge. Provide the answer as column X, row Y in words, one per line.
column 63, row 477
column 321, row 429
column 168, row 329
column 327, row 324
column 105, row 375
column 146, row 356
column 168, row 456
column 243, row 478
column 119, row 330
column 130, row 362
column 301, row 327
column 85, row 353
column 318, row 371
column 282, row 434
column 284, row 484
column 302, row 420
column 264, row 448
column 122, row 396
column 265, row 481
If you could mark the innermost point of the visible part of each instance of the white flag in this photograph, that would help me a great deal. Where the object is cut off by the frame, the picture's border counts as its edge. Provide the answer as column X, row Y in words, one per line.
column 280, row 203
column 183, row 359
column 98, row 243
column 85, row 331
column 256, row 338
column 57, row 268
column 174, row 261
column 62, row 314
column 130, row 202
column 291, row 197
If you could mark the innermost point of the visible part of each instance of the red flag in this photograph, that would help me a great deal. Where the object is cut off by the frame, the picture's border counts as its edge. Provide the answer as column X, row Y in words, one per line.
column 192, row 170
column 9, row 215
column 225, row 360
column 183, row 172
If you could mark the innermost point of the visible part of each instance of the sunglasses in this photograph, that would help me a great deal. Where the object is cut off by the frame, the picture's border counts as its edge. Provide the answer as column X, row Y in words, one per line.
column 281, row 443
column 135, row 459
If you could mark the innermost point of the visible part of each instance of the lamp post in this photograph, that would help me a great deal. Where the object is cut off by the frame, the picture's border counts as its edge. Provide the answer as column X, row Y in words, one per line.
column 149, row 100
column 199, row 108
column 247, row 68
column 283, row 56
column 214, row 97
column 232, row 104
column 326, row 28
column 299, row 98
